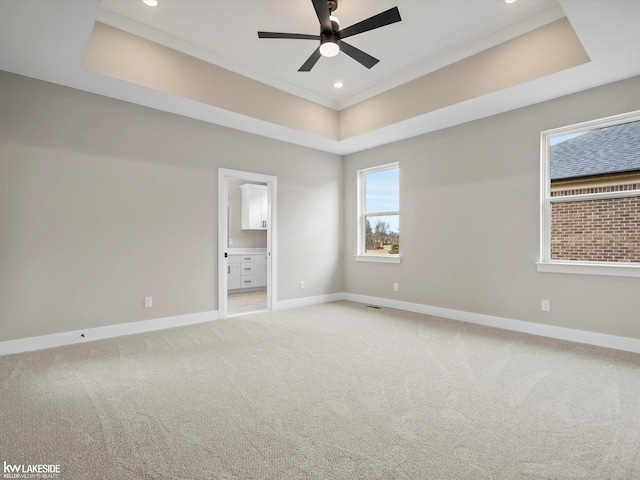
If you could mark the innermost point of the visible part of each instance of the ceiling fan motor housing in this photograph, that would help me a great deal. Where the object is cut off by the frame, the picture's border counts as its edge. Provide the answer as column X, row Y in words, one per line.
column 333, row 37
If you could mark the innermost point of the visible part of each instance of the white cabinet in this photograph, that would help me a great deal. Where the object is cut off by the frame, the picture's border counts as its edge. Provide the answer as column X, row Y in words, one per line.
column 246, row 271
column 233, row 272
column 254, row 206
column 260, row 270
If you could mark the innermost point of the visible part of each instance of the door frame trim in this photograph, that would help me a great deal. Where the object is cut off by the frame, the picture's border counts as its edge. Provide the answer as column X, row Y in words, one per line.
column 223, row 223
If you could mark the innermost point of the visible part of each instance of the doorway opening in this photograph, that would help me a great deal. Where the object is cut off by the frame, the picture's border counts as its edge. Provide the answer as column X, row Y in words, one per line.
column 246, row 240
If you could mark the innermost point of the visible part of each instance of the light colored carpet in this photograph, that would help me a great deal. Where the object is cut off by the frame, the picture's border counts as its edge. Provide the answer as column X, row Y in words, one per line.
column 333, row 391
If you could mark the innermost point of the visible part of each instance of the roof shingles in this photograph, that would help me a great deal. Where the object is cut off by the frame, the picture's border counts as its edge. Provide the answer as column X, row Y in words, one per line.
column 603, row 151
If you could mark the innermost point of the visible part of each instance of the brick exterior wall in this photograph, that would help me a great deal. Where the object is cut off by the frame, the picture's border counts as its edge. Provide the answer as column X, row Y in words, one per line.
column 604, row 230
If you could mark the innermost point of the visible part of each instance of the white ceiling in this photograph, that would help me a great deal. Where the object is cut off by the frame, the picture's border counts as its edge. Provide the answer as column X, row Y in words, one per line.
column 46, row 39
column 432, row 32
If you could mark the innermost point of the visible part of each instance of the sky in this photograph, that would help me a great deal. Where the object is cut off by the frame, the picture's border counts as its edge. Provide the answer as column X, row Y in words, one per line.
column 562, row 138
column 383, row 195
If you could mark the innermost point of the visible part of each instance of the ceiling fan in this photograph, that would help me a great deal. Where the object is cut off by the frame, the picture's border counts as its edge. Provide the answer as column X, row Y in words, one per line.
column 331, row 37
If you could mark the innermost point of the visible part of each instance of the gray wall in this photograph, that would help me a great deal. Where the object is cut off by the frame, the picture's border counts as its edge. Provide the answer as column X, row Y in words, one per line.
column 469, row 228
column 104, row 202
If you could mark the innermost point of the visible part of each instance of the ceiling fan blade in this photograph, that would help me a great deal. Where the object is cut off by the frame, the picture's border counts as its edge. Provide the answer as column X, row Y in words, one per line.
column 298, row 36
column 311, row 61
column 358, row 55
column 381, row 20
column 322, row 11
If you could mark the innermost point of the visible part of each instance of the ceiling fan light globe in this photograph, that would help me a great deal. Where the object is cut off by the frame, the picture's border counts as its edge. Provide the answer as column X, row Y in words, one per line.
column 329, row 49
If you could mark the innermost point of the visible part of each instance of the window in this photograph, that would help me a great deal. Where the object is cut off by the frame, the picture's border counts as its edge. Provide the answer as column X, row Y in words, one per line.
column 379, row 214
column 590, row 214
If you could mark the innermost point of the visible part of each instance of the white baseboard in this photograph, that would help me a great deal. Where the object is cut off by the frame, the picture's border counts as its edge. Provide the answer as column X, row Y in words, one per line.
column 66, row 338
column 551, row 331
column 306, row 301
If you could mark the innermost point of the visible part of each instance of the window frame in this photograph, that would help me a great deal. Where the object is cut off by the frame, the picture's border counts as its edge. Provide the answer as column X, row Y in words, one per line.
column 545, row 263
column 361, row 254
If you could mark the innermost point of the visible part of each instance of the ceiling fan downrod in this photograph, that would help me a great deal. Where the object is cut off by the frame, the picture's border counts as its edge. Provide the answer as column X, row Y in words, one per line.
column 335, row 23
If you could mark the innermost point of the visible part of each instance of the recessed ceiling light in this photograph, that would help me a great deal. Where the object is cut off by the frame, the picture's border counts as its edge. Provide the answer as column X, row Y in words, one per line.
column 510, row 1
column 150, row 3
column 338, row 84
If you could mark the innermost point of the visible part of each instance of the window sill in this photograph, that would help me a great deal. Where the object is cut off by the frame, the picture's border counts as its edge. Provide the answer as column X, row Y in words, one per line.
column 585, row 268
column 377, row 258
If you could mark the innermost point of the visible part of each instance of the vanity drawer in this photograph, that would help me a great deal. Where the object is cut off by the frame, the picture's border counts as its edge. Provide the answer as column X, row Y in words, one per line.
column 246, row 269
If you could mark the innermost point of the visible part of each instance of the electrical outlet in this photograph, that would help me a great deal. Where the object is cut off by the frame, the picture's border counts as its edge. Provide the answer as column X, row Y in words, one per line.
column 301, row 285
column 546, row 305
column 230, row 241
column 148, row 302
column 395, row 287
